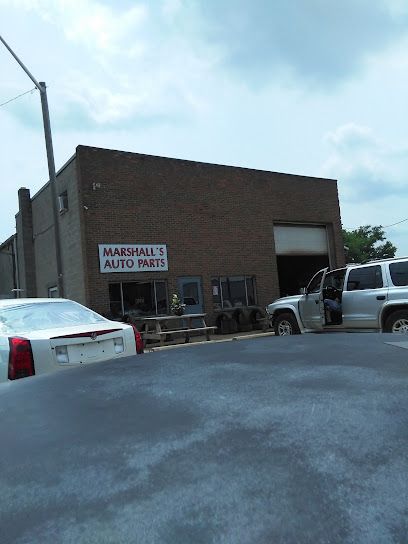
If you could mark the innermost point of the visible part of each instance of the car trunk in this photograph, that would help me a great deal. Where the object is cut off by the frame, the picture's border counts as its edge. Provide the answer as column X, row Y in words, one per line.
column 82, row 344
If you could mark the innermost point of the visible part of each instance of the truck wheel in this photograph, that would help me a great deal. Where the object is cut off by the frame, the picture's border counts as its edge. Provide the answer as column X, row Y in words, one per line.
column 397, row 322
column 286, row 324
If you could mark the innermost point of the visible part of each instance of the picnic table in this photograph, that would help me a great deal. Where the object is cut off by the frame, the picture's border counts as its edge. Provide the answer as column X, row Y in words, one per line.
column 161, row 326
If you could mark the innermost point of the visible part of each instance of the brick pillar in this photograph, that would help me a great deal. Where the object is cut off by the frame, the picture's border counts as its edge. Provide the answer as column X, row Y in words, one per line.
column 25, row 244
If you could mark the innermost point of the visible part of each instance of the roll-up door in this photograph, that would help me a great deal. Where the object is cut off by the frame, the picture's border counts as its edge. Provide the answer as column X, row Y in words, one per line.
column 300, row 240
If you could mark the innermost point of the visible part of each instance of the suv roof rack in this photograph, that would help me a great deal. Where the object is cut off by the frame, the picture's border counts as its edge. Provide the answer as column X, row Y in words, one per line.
column 384, row 260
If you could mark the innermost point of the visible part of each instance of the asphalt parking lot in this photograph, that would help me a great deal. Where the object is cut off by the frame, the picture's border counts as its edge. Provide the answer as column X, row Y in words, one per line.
column 266, row 440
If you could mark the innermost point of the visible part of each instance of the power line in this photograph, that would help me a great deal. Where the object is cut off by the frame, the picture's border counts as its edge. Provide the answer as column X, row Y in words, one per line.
column 19, row 96
column 382, row 226
column 397, row 223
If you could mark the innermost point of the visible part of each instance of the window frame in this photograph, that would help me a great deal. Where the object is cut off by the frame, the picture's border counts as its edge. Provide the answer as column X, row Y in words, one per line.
column 63, row 204
column 375, row 268
column 318, row 277
column 393, row 273
column 154, row 287
column 219, row 280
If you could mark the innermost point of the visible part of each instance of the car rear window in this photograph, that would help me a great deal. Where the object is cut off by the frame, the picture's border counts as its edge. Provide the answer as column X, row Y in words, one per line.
column 45, row 315
column 399, row 273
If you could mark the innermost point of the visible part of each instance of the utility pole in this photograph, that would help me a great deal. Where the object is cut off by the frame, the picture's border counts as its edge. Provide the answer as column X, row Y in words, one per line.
column 51, row 164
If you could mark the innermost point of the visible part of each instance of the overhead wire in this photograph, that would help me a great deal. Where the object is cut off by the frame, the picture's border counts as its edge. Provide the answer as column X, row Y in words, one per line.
column 382, row 226
column 18, row 96
column 397, row 223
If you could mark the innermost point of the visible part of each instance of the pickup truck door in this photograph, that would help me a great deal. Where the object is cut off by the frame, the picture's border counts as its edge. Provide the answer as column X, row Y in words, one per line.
column 311, row 306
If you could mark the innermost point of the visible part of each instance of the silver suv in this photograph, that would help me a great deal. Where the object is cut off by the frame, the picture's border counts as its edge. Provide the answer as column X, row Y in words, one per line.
column 369, row 297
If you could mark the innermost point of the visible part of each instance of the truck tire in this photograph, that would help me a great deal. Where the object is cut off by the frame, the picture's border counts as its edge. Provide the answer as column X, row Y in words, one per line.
column 397, row 322
column 286, row 324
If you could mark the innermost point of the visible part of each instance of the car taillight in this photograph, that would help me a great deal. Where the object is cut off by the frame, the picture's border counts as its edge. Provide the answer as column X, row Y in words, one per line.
column 21, row 361
column 138, row 340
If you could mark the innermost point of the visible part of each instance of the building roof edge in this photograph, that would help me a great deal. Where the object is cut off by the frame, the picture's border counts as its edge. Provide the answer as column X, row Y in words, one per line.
column 204, row 163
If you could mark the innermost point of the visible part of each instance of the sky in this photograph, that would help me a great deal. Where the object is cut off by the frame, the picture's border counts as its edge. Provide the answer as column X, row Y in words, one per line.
column 309, row 87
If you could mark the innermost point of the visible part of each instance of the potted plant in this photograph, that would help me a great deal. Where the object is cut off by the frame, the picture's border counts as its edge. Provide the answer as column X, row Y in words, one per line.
column 176, row 306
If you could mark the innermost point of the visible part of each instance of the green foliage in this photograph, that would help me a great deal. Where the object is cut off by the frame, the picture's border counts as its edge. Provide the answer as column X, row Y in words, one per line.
column 364, row 244
column 175, row 303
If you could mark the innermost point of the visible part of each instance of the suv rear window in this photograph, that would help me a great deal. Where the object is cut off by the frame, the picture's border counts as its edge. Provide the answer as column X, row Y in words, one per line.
column 399, row 273
column 368, row 277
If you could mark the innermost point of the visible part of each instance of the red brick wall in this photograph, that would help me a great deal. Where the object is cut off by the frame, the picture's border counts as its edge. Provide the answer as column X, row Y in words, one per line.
column 215, row 220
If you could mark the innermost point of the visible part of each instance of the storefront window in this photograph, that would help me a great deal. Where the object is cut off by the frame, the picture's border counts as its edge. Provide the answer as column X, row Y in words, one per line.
column 161, row 297
column 251, row 293
column 233, row 291
column 216, row 293
column 138, row 298
column 115, row 300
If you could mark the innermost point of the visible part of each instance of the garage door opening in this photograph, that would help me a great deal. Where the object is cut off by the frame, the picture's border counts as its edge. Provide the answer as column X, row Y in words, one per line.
column 295, row 271
column 301, row 250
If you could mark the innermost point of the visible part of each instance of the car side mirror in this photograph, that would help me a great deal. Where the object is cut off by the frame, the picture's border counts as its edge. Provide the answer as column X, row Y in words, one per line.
column 303, row 291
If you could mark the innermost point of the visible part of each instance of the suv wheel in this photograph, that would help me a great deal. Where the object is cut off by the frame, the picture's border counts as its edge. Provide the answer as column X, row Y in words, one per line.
column 397, row 322
column 286, row 324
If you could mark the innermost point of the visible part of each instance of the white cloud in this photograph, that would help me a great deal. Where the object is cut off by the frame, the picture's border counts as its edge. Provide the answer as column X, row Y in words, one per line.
column 98, row 27
column 122, row 66
column 351, row 136
column 320, row 43
column 372, row 179
column 89, row 23
column 366, row 166
column 171, row 8
column 398, row 8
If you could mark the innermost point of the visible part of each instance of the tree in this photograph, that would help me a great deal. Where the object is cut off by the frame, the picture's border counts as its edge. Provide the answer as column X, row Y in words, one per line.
column 364, row 244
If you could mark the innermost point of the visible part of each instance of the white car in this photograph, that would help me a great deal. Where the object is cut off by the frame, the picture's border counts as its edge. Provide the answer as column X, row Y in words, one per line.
column 39, row 335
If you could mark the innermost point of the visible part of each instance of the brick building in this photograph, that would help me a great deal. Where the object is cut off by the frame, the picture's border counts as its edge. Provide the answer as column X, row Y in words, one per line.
column 8, row 271
column 135, row 228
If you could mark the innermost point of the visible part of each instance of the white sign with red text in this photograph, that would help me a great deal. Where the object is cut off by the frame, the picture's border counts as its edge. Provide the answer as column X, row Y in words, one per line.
column 133, row 258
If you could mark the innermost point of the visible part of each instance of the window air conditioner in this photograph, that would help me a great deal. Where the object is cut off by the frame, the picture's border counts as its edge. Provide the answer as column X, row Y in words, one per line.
column 63, row 203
